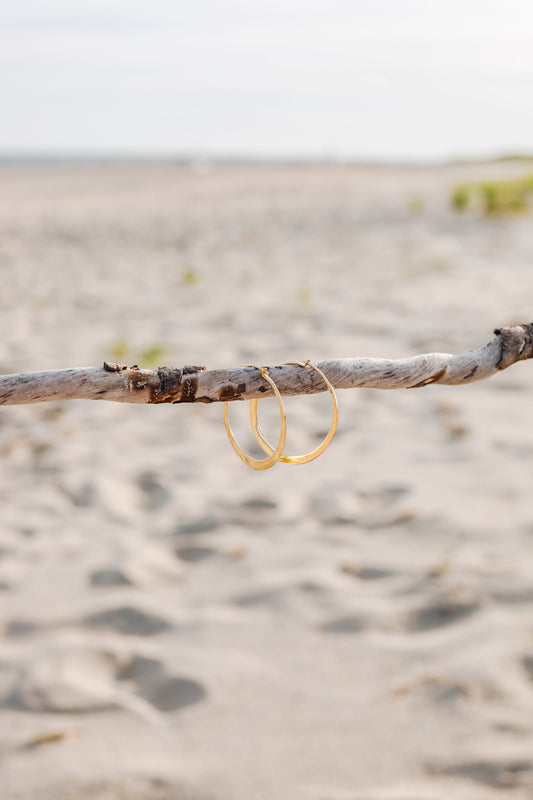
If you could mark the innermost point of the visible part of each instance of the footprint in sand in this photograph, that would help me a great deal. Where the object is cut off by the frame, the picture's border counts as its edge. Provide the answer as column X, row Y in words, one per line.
column 351, row 623
column 367, row 573
column 129, row 620
column 109, row 576
column 92, row 681
column 259, row 504
column 270, row 596
column 154, row 494
column 256, row 512
column 193, row 554
column 440, row 613
column 165, row 692
column 494, row 773
column 278, row 596
column 18, row 628
column 205, row 524
column 527, row 663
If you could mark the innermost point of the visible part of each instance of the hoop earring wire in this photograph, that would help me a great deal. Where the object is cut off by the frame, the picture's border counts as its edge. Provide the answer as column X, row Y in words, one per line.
column 273, row 454
column 306, row 457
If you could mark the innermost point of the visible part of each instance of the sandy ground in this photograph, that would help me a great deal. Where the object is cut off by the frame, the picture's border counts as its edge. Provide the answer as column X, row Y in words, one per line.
column 179, row 627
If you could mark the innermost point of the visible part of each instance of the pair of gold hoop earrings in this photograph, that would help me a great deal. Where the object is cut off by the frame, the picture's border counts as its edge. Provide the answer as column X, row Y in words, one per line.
column 275, row 454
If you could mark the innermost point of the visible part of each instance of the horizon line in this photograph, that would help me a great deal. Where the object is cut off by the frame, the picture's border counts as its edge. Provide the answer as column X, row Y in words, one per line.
column 193, row 159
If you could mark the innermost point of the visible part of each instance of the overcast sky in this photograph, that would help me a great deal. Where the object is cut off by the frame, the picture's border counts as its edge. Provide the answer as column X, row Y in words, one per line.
column 378, row 79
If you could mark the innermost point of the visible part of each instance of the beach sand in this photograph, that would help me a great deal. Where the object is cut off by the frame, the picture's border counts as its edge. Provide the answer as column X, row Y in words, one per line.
column 177, row 626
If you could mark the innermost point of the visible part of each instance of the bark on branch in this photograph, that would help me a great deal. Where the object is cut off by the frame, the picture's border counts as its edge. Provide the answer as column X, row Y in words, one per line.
column 197, row 385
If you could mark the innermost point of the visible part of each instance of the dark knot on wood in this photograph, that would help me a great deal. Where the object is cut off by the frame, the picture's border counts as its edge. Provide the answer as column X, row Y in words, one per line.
column 110, row 366
column 516, row 344
column 175, row 385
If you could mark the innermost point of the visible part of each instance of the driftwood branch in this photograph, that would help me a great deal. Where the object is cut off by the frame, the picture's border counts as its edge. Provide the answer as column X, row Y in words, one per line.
column 198, row 385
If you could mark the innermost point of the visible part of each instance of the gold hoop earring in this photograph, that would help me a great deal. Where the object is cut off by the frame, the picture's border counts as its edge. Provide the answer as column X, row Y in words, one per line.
column 306, row 457
column 274, row 454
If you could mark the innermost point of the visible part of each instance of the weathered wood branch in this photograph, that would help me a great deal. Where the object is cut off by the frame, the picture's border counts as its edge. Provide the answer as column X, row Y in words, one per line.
column 198, row 385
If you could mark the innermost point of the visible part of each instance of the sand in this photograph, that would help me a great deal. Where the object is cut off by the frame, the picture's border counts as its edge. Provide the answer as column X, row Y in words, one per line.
column 177, row 626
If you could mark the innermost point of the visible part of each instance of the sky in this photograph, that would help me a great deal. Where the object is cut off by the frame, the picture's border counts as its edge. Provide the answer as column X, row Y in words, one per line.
column 363, row 79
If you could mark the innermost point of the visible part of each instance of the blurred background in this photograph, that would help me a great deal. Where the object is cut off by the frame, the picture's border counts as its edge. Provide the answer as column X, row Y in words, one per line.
column 218, row 184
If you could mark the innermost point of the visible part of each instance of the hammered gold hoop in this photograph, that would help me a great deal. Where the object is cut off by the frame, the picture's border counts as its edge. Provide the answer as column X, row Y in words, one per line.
column 273, row 454
column 306, row 457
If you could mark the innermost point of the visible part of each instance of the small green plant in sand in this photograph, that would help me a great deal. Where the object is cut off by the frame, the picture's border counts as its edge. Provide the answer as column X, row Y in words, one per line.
column 120, row 349
column 304, row 295
column 416, row 204
column 151, row 356
column 189, row 276
column 461, row 197
column 494, row 198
